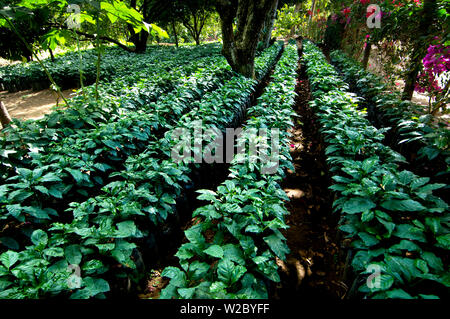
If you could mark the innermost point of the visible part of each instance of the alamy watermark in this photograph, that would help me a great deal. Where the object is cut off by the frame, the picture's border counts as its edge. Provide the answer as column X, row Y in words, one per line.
column 373, row 16
column 211, row 145
column 74, row 281
column 374, row 279
column 73, row 21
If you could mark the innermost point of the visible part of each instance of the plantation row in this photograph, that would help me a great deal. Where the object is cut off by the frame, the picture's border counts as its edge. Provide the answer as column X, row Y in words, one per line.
column 65, row 69
column 395, row 222
column 231, row 251
column 423, row 139
column 126, row 93
column 131, row 157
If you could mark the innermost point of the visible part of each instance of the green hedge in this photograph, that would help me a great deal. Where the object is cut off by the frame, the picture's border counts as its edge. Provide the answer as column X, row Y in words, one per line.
column 394, row 221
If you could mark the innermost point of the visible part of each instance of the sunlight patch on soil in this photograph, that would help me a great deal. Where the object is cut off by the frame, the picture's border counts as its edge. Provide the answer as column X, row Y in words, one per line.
column 27, row 104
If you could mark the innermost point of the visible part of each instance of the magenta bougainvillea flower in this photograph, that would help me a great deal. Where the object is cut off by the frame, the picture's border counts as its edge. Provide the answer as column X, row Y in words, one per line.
column 435, row 62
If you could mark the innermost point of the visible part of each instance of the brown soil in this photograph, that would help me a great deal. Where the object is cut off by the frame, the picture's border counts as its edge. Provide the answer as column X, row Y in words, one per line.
column 314, row 267
column 29, row 104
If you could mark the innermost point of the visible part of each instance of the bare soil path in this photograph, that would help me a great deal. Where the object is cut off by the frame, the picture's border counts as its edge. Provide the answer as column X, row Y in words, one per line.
column 31, row 104
column 314, row 268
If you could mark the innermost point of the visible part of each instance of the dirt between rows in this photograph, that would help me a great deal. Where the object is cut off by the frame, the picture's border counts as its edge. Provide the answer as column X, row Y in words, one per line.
column 31, row 104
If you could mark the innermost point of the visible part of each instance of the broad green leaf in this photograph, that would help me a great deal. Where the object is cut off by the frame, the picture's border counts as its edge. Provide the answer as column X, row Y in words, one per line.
column 444, row 241
column 39, row 238
column 9, row 258
column 357, row 205
column 50, row 177
column 398, row 294
column 228, row 272
column 76, row 174
column 186, row 293
column 278, row 246
column 178, row 278
column 126, row 229
column 215, row 251
column 407, row 231
column 73, row 254
column 408, row 205
column 433, row 261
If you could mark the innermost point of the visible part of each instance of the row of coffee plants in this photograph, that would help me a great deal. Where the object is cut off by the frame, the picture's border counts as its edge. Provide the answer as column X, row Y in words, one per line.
column 81, row 163
column 100, row 239
column 117, row 98
column 78, row 165
column 426, row 139
column 231, row 249
column 65, row 69
column 397, row 227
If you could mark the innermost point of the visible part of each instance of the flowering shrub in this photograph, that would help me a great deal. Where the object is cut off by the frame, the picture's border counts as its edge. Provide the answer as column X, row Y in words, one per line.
column 435, row 63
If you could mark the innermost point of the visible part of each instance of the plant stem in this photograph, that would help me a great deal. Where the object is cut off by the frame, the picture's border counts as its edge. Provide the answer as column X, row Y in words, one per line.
column 81, row 65
column 98, row 56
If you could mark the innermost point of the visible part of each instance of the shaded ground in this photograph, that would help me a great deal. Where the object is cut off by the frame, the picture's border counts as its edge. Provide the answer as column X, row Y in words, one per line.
column 30, row 105
column 314, row 267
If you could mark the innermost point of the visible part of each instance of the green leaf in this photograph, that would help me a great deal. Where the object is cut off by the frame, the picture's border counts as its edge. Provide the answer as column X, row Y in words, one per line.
column 155, row 30
column 55, row 192
column 178, row 278
column 36, row 212
column 233, row 253
column 405, row 245
column 408, row 205
column 277, row 246
column 76, row 174
column 398, row 294
column 9, row 258
column 206, row 195
column 433, row 261
column 407, row 231
column 228, row 272
column 194, row 235
column 184, row 253
column 357, row 205
column 444, row 241
column 168, row 199
column 428, row 296
column 217, row 287
column 367, row 216
column 50, row 177
column 54, row 252
column 186, row 293
column 368, row 239
column 15, row 211
column 95, row 285
column 39, row 238
column 405, row 177
column 126, row 229
column 73, row 254
column 422, row 265
column 215, row 251
column 42, row 189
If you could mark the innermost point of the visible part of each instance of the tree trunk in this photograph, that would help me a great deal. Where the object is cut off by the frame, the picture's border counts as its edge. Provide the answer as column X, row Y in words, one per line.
column 175, row 33
column 51, row 55
column 419, row 49
column 366, row 56
column 268, row 25
column 5, row 119
column 197, row 39
column 139, row 39
column 239, row 47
